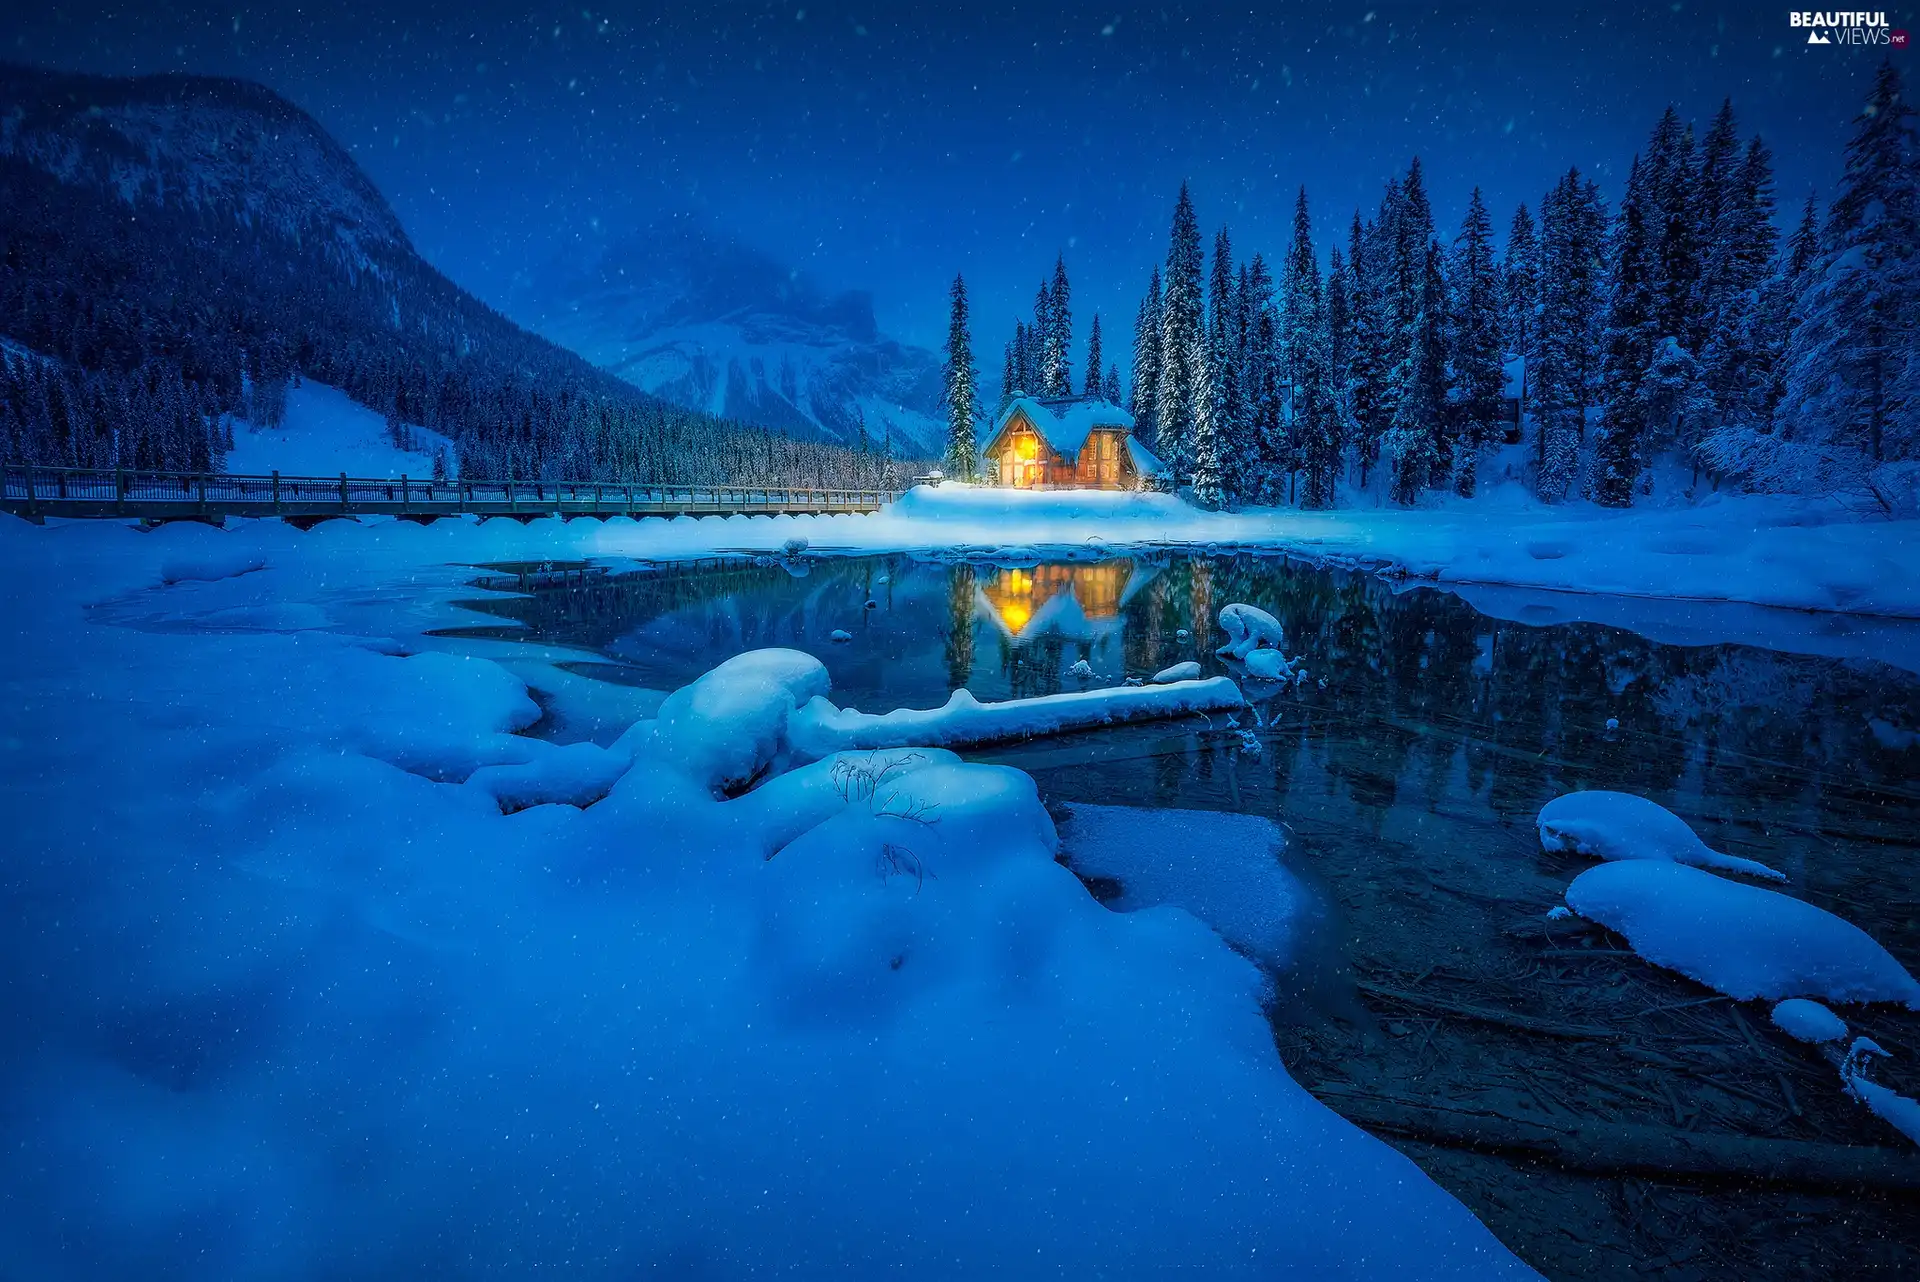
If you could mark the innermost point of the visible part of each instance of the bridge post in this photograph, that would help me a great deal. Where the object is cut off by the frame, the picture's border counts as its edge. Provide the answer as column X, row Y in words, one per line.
column 276, row 492
column 344, row 505
column 512, row 505
column 120, row 491
column 406, row 499
column 33, row 493
column 201, row 482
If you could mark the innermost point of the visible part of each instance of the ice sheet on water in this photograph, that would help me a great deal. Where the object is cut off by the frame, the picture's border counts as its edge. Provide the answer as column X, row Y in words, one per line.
column 1225, row 869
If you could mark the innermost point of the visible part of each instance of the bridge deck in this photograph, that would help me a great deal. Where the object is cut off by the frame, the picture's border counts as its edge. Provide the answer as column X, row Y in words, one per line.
column 38, row 492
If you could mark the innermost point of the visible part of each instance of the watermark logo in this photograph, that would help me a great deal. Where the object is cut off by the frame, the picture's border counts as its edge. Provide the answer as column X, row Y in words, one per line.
column 1835, row 28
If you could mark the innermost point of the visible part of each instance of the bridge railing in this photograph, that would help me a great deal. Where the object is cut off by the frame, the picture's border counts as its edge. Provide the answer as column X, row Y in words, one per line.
column 25, row 488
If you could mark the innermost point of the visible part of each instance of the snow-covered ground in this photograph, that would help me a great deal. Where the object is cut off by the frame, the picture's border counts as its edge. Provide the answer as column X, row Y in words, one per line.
column 294, row 995
column 326, row 432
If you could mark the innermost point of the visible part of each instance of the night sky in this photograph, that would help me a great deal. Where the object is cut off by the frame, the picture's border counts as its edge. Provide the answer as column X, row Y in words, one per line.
column 884, row 146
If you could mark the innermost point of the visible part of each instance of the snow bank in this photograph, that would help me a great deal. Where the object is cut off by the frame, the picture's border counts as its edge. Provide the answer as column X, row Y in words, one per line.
column 1766, row 550
column 1188, row 671
column 326, row 432
column 1225, row 869
column 313, row 1006
column 1808, row 1021
column 1738, row 939
column 1618, row 825
column 820, row 728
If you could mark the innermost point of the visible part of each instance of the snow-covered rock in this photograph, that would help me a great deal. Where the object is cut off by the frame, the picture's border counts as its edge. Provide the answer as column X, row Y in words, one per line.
column 1269, row 665
column 1225, row 869
column 1619, row 825
column 840, row 635
column 1249, row 628
column 1188, row 671
column 1081, row 669
column 1808, row 1021
column 1736, row 938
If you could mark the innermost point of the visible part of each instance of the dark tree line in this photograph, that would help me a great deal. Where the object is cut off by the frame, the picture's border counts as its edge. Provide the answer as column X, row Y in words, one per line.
column 1675, row 324
column 136, row 334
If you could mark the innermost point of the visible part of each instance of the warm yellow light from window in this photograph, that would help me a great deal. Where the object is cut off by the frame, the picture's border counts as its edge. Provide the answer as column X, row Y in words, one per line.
column 1026, row 448
column 1015, row 615
column 1019, row 581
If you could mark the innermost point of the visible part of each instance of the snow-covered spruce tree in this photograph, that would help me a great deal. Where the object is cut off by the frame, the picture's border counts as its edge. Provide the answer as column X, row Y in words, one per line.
column 1369, row 365
column 1110, row 388
column 1181, row 339
column 1520, row 287
column 1854, row 358
column 1057, row 343
column 1146, row 363
column 1630, row 338
column 1714, row 191
column 1339, row 328
column 1738, row 357
column 1207, row 399
column 1571, row 280
column 1095, row 363
column 962, row 396
column 1474, row 341
column 1774, row 318
column 1024, row 383
column 1040, row 341
column 1009, row 380
column 1312, row 396
column 1222, row 372
column 1418, row 442
column 1671, row 173
column 1260, row 376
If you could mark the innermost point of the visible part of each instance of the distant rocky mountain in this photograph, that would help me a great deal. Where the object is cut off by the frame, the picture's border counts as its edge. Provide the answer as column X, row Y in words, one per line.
column 710, row 324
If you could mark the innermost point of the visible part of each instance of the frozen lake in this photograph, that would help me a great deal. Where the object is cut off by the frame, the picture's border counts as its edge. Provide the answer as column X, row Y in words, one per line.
column 1407, row 772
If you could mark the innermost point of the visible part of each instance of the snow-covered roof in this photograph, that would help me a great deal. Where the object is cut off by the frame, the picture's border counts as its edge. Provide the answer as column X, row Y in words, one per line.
column 1064, row 423
column 1144, row 460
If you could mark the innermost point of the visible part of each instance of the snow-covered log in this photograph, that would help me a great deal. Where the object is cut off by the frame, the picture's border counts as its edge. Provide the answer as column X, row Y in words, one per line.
column 819, row 728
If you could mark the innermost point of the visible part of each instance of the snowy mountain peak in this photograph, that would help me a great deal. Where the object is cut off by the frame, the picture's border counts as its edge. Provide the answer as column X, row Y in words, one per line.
column 712, row 324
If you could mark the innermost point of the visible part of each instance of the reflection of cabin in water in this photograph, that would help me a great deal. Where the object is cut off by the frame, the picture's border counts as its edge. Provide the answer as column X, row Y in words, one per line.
column 1069, row 442
column 1079, row 602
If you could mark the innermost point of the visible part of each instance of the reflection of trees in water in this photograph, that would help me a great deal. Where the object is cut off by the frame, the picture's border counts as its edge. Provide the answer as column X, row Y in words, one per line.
column 1419, row 685
column 961, row 584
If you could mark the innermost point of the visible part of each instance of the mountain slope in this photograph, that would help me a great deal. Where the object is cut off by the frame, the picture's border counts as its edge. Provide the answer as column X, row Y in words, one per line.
column 257, row 252
column 713, row 325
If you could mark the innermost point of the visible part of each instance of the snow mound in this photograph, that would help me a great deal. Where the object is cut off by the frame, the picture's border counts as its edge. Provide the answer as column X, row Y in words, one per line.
column 729, row 727
column 1225, row 869
column 1738, row 939
column 1249, row 628
column 1808, row 1021
column 1188, row 671
column 820, row 728
column 1619, row 825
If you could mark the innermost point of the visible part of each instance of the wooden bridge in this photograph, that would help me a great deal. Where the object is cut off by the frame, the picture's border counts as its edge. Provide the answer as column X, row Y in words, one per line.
column 40, row 492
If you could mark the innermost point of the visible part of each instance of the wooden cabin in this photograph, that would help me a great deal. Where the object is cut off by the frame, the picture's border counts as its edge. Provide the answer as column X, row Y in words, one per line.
column 1068, row 442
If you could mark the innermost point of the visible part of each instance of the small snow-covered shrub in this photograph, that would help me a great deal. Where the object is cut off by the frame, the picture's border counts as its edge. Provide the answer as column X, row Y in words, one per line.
column 795, row 545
